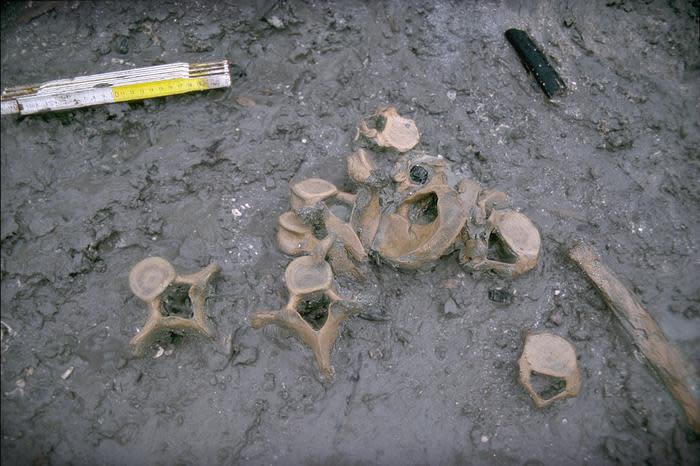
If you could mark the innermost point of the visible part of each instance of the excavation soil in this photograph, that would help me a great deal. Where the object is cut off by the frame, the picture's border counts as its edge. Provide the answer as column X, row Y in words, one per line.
column 428, row 374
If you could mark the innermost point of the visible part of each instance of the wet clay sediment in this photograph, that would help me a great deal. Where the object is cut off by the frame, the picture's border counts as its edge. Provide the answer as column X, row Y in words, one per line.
column 427, row 371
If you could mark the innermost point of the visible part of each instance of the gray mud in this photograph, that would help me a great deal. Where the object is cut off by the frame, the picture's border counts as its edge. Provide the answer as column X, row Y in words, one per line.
column 432, row 377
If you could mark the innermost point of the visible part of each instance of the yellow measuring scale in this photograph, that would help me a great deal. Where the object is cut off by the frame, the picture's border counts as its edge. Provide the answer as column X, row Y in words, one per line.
column 158, row 89
column 118, row 86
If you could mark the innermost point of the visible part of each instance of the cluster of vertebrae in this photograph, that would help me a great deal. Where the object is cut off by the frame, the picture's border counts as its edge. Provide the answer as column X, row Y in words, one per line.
column 408, row 216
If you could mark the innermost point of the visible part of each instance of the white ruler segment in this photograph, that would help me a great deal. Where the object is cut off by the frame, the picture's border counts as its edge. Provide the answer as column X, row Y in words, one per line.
column 117, row 86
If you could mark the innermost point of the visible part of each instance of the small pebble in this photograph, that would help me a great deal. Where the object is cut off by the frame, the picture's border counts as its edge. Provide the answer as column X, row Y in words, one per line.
column 244, row 101
column 451, row 309
column 67, row 373
column 555, row 318
column 499, row 295
column 275, row 22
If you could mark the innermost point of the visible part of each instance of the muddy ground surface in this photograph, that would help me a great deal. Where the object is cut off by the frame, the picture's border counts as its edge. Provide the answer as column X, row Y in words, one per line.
column 88, row 193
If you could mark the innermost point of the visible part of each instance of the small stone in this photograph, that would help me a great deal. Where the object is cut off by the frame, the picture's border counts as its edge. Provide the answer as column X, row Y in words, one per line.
column 244, row 101
column 450, row 309
column 484, row 439
column 555, row 318
column 159, row 353
column 67, row 373
column 501, row 296
column 103, row 49
column 275, row 22
column 246, row 356
column 375, row 353
column 270, row 184
column 450, row 283
column 122, row 45
column 579, row 334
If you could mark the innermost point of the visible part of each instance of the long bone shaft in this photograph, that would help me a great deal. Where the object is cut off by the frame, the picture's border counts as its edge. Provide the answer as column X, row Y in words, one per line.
column 663, row 357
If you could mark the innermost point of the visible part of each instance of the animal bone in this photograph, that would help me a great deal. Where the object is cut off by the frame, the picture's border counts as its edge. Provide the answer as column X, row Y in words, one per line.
column 675, row 372
column 405, row 241
column 310, row 191
column 552, row 356
column 311, row 276
column 294, row 237
column 149, row 280
column 410, row 218
column 509, row 245
column 150, row 277
column 309, row 201
column 391, row 130
column 360, row 166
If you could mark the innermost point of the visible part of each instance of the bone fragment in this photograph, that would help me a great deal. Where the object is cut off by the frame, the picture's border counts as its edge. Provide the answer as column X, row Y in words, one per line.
column 663, row 357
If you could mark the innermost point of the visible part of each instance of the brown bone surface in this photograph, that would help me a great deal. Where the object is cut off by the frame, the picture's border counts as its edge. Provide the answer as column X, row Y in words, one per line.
column 391, row 130
column 309, row 276
column 515, row 234
column 149, row 280
column 552, row 356
column 663, row 357
column 408, row 216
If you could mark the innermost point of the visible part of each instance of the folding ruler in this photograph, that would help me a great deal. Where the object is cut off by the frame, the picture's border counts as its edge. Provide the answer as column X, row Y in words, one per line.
column 118, row 86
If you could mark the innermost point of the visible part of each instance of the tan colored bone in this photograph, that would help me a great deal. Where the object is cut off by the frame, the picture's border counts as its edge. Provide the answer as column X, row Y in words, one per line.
column 305, row 276
column 550, row 355
column 360, row 166
column 365, row 218
column 434, row 165
column 398, row 132
column 308, row 192
column 294, row 237
column 489, row 200
column 150, row 277
column 517, row 233
column 412, row 245
column 347, row 236
column 148, row 281
column 392, row 221
column 664, row 358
